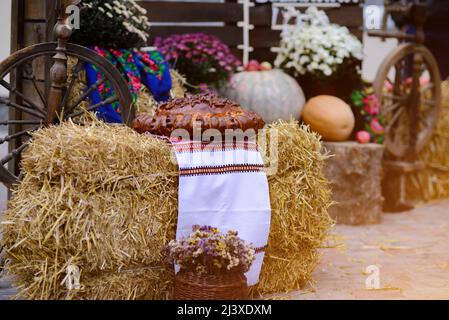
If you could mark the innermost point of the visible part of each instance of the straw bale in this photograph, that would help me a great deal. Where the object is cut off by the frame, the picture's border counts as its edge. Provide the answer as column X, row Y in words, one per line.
column 300, row 198
column 104, row 198
column 433, row 182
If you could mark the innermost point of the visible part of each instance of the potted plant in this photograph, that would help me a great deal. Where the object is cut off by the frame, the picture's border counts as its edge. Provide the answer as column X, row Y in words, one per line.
column 118, row 24
column 324, row 57
column 369, row 120
column 203, row 59
column 212, row 265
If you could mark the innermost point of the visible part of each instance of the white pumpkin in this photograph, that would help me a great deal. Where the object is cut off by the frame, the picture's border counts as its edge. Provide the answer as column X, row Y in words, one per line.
column 273, row 94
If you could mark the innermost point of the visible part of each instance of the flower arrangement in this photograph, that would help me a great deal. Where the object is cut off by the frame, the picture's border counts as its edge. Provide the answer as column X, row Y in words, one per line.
column 324, row 58
column 208, row 251
column 203, row 59
column 118, row 24
column 318, row 47
column 368, row 107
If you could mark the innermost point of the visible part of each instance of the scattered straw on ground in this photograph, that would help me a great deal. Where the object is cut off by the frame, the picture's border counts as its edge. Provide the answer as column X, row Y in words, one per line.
column 104, row 199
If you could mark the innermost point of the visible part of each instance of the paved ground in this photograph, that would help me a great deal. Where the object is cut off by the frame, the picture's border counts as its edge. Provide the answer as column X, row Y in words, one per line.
column 409, row 250
column 6, row 291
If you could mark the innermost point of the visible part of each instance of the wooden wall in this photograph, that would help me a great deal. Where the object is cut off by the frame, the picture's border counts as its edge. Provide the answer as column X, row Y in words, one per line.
column 262, row 37
column 32, row 22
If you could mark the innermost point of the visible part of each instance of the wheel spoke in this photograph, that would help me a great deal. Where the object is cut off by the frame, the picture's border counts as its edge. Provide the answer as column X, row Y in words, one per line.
column 21, row 95
column 393, row 97
column 41, row 96
column 391, row 108
column 13, row 154
column 25, row 109
column 86, row 94
column 17, row 135
column 30, row 75
column 394, row 119
column 25, row 122
column 397, row 80
column 109, row 100
column 390, row 81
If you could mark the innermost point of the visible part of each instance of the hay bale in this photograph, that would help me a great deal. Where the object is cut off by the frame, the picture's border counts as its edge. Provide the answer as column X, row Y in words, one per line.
column 178, row 84
column 104, row 198
column 93, row 197
column 433, row 182
column 300, row 198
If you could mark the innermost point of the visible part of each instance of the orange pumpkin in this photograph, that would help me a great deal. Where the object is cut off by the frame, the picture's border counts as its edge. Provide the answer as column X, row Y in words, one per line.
column 329, row 116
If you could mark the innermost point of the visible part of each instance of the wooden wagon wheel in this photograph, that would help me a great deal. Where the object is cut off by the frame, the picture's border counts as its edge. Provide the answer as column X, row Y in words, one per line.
column 408, row 85
column 31, row 113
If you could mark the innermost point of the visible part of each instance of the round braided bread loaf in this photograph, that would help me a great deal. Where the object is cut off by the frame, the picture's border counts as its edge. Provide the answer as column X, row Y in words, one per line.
column 207, row 110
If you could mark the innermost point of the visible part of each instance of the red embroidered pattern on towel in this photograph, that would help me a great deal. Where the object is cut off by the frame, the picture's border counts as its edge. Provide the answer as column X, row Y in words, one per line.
column 193, row 146
column 221, row 169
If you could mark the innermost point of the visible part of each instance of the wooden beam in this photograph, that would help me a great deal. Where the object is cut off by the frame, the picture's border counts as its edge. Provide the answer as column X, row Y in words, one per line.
column 162, row 11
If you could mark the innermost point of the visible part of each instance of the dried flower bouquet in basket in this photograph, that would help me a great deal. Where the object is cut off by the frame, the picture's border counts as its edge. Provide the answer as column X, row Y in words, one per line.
column 209, row 251
column 212, row 265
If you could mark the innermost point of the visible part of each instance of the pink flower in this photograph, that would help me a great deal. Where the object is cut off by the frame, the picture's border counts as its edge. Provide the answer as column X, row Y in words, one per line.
column 371, row 105
column 376, row 126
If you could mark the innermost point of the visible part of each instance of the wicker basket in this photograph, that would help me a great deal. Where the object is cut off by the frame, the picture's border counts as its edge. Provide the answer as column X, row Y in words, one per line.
column 228, row 286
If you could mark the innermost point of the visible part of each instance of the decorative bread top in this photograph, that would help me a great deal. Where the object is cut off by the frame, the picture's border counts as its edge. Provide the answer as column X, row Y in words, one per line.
column 208, row 110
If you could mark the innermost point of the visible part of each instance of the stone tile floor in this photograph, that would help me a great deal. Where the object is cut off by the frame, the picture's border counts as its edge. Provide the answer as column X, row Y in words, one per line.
column 6, row 291
column 410, row 251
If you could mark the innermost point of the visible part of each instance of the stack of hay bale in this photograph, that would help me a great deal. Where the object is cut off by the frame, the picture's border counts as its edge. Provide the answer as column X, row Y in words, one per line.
column 92, row 197
column 104, row 199
column 433, row 182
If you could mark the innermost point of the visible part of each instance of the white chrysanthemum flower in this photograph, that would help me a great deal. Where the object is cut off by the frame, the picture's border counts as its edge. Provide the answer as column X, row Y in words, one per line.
column 317, row 45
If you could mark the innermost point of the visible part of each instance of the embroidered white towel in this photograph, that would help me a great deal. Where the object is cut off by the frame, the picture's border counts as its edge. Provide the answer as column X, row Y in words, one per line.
column 224, row 186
